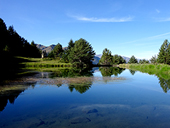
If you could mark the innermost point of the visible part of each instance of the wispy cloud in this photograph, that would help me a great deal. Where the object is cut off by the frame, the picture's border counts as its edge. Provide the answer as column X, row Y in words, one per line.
column 164, row 19
column 94, row 19
column 158, row 36
column 149, row 38
column 158, row 11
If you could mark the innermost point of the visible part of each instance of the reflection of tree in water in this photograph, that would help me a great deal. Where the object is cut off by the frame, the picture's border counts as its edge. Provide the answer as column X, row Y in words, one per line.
column 165, row 84
column 11, row 95
column 59, row 73
column 80, row 72
column 132, row 72
column 81, row 88
column 73, row 72
column 59, row 85
column 108, row 71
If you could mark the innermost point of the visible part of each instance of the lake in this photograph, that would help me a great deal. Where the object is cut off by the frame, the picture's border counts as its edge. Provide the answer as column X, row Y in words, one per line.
column 104, row 98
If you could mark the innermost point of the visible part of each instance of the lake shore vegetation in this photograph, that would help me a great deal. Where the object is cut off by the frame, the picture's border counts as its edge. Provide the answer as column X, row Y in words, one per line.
column 109, row 59
column 160, row 70
column 17, row 54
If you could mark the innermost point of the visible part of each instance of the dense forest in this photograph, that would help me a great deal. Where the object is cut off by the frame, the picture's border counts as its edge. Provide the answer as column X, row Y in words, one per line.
column 12, row 43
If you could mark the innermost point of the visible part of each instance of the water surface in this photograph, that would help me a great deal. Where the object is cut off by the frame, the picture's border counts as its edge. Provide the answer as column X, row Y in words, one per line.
column 112, row 97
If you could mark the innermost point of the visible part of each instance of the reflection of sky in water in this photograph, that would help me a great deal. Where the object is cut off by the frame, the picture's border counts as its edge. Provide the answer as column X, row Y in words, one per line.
column 137, row 101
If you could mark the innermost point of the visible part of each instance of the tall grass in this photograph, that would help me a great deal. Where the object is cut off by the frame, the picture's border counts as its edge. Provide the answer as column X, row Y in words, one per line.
column 161, row 70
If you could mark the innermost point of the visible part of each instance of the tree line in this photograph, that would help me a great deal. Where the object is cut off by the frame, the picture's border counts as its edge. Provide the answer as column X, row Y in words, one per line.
column 163, row 57
column 79, row 53
column 108, row 59
column 12, row 43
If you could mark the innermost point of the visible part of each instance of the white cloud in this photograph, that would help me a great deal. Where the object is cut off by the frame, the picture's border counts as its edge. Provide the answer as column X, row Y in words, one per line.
column 94, row 19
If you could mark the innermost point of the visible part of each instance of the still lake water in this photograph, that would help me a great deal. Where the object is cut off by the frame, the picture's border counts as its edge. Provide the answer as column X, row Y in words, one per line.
column 136, row 100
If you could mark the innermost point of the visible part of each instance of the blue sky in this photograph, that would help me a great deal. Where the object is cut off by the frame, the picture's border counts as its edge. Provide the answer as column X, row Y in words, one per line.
column 125, row 27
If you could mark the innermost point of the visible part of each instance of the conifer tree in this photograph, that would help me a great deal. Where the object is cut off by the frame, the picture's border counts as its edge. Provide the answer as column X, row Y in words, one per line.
column 67, row 51
column 82, row 53
column 106, row 58
column 70, row 44
column 56, row 52
column 163, row 56
column 133, row 60
column 118, row 59
column 153, row 59
column 3, row 35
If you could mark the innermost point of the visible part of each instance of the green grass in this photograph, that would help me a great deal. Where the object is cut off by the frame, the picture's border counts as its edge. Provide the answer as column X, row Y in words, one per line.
column 47, row 62
column 160, row 70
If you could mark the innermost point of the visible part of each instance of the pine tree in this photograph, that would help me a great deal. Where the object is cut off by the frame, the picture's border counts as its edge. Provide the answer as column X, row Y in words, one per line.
column 168, row 55
column 118, row 59
column 70, row 44
column 133, row 60
column 67, row 51
column 153, row 59
column 164, row 52
column 82, row 53
column 57, row 51
column 3, row 35
column 106, row 58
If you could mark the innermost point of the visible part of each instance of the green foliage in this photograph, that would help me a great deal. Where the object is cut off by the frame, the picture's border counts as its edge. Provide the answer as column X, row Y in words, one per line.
column 57, row 51
column 51, row 55
column 118, row 59
column 165, row 84
column 70, row 44
column 80, row 88
column 106, row 58
column 153, row 59
column 3, row 35
column 109, row 71
column 164, row 53
column 67, row 51
column 133, row 60
column 11, row 42
column 161, row 70
column 132, row 72
column 81, row 54
column 143, row 61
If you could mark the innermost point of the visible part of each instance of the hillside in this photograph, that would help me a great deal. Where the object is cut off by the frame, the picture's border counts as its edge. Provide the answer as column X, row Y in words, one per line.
column 44, row 48
column 48, row 49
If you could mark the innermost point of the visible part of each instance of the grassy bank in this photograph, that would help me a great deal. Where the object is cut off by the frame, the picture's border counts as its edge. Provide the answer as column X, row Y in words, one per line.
column 160, row 70
column 38, row 63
